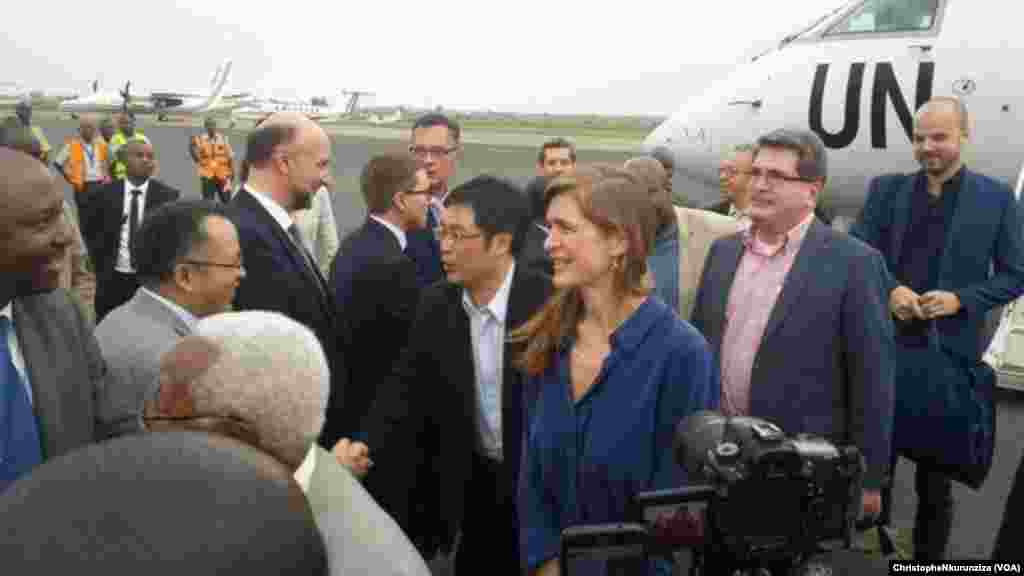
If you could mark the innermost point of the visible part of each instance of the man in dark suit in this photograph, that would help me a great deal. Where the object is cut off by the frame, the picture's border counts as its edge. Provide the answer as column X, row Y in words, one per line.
column 374, row 282
column 111, row 220
column 52, row 375
column 446, row 434
column 952, row 240
column 289, row 157
column 794, row 312
column 437, row 146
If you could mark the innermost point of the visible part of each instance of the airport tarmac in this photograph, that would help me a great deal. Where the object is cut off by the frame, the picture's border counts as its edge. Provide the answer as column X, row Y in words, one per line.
column 978, row 514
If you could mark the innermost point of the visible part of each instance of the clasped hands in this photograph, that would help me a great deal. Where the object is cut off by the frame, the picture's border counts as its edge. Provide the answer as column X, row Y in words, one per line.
column 353, row 455
column 905, row 304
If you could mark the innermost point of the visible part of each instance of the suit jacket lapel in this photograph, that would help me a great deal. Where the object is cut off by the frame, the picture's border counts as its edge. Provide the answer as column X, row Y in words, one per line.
column 721, row 277
column 43, row 376
column 967, row 214
column 901, row 204
column 796, row 279
column 463, row 354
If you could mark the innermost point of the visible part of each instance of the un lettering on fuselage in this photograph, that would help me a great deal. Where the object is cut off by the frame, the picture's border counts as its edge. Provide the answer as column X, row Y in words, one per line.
column 885, row 89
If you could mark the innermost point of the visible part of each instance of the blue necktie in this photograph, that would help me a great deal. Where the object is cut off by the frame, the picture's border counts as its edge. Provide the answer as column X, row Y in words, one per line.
column 20, row 446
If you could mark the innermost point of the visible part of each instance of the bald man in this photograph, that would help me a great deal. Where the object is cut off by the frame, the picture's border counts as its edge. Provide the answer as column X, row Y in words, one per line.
column 51, row 369
column 111, row 219
column 289, row 159
column 683, row 240
column 83, row 161
column 951, row 238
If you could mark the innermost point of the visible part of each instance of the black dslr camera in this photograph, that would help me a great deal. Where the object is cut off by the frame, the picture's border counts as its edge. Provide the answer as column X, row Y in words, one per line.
column 766, row 500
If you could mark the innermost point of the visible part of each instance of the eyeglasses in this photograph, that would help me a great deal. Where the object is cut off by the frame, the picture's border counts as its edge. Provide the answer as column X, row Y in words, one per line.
column 774, row 177
column 238, row 266
column 454, row 235
column 415, row 192
column 428, row 151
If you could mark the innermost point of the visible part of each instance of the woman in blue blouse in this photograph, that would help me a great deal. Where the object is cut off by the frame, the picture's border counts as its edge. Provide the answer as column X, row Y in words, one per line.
column 612, row 367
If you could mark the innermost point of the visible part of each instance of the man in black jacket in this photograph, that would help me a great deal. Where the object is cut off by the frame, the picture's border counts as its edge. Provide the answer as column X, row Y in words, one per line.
column 446, row 434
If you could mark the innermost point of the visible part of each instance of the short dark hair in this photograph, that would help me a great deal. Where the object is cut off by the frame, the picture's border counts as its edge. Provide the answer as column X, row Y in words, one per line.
column 260, row 145
column 556, row 143
column 437, row 119
column 383, row 177
column 170, row 234
column 812, row 163
column 499, row 207
column 664, row 155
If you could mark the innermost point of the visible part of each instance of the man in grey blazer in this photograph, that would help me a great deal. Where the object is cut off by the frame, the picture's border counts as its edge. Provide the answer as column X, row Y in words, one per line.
column 188, row 261
column 796, row 314
column 262, row 378
column 53, row 376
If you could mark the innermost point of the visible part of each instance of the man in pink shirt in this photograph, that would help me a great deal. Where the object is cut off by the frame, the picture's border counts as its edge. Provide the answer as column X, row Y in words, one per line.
column 796, row 314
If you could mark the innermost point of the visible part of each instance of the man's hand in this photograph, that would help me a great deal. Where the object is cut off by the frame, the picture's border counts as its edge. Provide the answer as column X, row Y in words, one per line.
column 871, row 503
column 549, row 568
column 937, row 303
column 353, row 455
column 905, row 304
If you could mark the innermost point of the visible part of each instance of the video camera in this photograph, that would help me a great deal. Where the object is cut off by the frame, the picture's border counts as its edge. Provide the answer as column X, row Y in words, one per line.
column 757, row 499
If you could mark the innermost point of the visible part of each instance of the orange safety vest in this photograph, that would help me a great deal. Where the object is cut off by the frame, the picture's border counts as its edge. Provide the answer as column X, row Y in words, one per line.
column 74, row 168
column 214, row 160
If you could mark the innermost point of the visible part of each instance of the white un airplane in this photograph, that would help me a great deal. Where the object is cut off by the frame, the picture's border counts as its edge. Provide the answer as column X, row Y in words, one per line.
column 855, row 77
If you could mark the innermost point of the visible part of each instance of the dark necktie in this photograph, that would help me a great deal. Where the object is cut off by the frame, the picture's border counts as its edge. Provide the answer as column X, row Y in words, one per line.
column 20, row 445
column 293, row 230
column 133, row 224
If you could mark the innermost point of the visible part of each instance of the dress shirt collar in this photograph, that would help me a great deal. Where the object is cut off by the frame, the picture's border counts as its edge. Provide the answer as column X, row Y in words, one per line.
column 187, row 317
column 790, row 241
column 498, row 306
column 304, row 475
column 398, row 232
column 8, row 312
column 128, row 187
column 277, row 212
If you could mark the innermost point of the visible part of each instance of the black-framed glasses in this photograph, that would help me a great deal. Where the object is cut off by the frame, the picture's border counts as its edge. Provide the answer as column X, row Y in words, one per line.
column 775, row 177
column 238, row 266
column 443, row 234
column 428, row 151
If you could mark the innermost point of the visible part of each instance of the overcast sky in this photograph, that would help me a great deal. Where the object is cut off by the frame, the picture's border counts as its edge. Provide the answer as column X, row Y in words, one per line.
column 638, row 57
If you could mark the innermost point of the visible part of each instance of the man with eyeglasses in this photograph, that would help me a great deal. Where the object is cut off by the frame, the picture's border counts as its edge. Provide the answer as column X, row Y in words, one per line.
column 188, row 263
column 734, row 182
column 436, row 144
column 794, row 311
column 374, row 282
column 446, row 431
column 111, row 220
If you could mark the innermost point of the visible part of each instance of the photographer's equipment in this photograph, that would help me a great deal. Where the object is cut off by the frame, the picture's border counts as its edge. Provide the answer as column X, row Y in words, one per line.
column 770, row 501
column 945, row 415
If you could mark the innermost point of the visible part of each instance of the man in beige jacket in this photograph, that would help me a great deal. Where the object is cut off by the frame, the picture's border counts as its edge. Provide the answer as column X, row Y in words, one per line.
column 683, row 241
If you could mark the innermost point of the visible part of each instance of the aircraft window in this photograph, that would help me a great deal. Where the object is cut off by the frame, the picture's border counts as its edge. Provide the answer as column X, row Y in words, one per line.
column 880, row 16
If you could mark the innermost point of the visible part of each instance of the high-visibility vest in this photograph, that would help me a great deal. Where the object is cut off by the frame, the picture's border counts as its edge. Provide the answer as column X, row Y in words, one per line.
column 74, row 168
column 118, row 169
column 214, row 161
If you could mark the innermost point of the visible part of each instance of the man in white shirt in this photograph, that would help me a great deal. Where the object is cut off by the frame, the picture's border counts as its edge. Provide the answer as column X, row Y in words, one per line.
column 110, row 224
column 262, row 378
column 189, row 264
